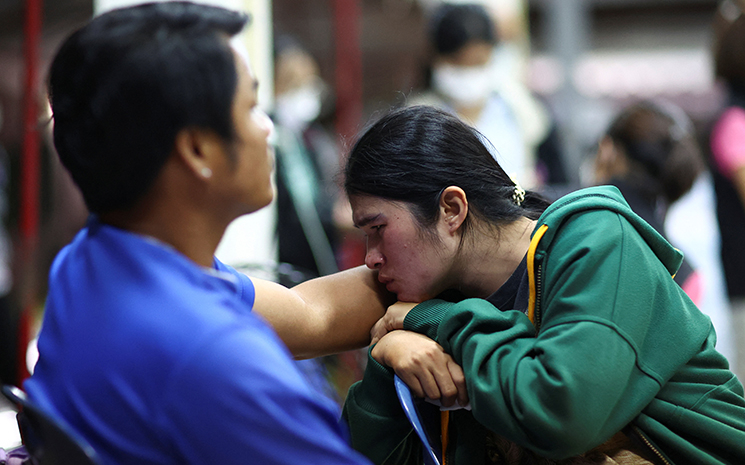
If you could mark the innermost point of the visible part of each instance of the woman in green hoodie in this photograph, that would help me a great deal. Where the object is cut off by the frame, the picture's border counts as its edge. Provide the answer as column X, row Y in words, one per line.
column 575, row 343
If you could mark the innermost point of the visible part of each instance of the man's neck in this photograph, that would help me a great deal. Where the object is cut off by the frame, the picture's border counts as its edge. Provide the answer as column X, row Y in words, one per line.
column 181, row 227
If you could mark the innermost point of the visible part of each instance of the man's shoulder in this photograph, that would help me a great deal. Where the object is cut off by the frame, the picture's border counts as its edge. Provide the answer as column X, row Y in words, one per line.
column 146, row 290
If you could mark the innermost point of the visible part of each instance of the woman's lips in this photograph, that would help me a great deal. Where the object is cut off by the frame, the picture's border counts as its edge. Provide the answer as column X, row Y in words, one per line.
column 386, row 282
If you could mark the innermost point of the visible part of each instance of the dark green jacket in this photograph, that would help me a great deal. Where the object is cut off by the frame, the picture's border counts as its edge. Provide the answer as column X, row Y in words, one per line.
column 610, row 341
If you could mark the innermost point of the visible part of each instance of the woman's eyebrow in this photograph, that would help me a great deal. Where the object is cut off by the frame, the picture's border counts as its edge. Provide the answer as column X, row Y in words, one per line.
column 365, row 220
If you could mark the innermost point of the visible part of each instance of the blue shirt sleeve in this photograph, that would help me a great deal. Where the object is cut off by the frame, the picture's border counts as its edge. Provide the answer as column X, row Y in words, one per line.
column 245, row 285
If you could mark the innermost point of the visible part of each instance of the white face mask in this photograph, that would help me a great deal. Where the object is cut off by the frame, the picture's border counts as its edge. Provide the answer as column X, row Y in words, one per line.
column 298, row 107
column 463, row 85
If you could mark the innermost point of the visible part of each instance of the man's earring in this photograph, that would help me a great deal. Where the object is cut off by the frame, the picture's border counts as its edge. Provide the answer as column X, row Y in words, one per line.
column 206, row 172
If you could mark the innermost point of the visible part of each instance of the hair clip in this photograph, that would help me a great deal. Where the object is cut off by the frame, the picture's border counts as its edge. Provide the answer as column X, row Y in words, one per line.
column 518, row 196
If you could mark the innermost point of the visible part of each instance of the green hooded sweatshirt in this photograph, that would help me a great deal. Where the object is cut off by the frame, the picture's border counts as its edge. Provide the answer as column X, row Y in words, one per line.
column 610, row 343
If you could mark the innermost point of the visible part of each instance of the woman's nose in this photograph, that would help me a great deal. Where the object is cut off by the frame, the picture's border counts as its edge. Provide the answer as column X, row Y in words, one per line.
column 373, row 258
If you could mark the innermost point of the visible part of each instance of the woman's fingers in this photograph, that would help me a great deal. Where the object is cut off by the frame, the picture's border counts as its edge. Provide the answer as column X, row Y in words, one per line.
column 392, row 320
column 396, row 313
column 412, row 380
column 459, row 380
column 423, row 365
column 378, row 331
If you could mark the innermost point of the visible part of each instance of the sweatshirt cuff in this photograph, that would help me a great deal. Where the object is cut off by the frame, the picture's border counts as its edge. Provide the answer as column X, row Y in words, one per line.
column 376, row 392
column 426, row 317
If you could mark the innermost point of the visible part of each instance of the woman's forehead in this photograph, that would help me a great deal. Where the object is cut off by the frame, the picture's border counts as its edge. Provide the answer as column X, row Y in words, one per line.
column 368, row 208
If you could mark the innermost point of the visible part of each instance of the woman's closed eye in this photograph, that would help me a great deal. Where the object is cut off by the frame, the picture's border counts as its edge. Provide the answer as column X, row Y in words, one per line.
column 375, row 229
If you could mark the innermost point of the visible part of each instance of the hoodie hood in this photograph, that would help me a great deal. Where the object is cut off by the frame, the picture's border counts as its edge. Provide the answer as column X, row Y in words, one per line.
column 608, row 198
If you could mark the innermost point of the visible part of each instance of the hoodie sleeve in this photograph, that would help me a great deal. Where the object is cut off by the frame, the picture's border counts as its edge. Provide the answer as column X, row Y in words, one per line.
column 591, row 369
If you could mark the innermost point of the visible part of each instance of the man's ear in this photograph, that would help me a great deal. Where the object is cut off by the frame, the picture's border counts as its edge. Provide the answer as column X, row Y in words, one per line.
column 453, row 207
column 199, row 149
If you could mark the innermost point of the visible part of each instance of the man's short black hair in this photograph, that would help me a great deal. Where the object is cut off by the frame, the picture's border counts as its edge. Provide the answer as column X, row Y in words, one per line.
column 125, row 84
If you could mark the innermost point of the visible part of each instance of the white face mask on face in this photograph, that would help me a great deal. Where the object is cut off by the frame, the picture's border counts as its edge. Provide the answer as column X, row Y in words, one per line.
column 297, row 108
column 464, row 86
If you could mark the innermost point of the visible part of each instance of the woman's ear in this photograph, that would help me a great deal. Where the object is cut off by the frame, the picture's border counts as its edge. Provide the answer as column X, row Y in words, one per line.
column 198, row 150
column 453, row 207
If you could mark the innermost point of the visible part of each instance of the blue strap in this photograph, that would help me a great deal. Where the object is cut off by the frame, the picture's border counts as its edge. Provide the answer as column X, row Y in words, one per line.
column 407, row 402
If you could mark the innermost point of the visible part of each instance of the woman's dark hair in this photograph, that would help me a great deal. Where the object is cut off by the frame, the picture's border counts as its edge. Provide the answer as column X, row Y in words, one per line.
column 665, row 158
column 412, row 154
column 454, row 25
column 125, row 84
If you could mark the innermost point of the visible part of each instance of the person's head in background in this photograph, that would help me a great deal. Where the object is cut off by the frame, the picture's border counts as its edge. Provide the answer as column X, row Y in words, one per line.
column 156, row 91
column 425, row 190
column 462, row 38
column 650, row 147
column 299, row 91
column 729, row 45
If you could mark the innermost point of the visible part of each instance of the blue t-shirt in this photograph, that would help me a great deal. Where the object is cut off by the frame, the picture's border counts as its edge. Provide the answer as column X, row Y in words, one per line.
column 156, row 360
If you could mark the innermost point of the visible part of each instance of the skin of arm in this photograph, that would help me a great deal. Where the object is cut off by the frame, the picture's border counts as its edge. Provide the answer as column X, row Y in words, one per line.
column 325, row 315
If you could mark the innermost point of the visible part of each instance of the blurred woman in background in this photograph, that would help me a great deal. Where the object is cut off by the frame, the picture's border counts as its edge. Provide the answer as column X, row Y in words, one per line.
column 650, row 154
column 463, row 39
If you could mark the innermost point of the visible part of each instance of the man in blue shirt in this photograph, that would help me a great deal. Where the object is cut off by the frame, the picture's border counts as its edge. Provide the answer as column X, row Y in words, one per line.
column 151, row 349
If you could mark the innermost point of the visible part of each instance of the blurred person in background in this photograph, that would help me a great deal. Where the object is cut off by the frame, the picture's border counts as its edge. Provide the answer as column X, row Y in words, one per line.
column 465, row 75
column 307, row 163
column 307, row 160
column 509, row 70
column 462, row 38
column 653, row 159
column 727, row 151
column 651, row 154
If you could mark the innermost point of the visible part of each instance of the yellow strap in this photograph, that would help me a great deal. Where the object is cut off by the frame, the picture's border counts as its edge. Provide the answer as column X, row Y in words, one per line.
column 445, row 414
column 531, row 267
column 444, row 423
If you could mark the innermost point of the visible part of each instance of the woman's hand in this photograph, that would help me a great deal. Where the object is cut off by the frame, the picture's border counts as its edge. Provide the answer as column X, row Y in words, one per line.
column 391, row 321
column 423, row 365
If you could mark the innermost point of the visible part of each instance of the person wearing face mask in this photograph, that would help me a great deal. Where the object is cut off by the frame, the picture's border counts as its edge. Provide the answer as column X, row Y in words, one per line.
column 462, row 80
column 307, row 159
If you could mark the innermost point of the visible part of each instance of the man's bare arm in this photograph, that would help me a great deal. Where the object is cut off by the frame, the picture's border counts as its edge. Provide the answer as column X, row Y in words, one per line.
column 326, row 315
